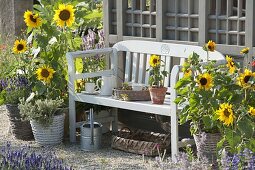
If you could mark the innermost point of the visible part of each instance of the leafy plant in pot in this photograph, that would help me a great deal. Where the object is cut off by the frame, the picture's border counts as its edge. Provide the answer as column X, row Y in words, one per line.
column 219, row 100
column 156, row 80
column 46, row 118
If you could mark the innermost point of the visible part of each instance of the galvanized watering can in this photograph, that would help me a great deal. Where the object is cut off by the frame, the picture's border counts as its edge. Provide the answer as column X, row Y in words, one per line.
column 91, row 135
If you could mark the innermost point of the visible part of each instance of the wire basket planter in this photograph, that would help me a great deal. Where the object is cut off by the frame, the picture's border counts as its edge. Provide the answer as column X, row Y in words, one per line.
column 140, row 142
column 49, row 135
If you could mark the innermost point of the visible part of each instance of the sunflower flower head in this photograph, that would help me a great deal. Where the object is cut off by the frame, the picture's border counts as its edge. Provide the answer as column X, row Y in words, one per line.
column 243, row 79
column 187, row 73
column 245, row 50
column 252, row 111
column 32, row 20
column 45, row 73
column 154, row 60
column 64, row 15
column 20, row 46
column 226, row 114
column 211, row 46
column 230, row 64
column 205, row 81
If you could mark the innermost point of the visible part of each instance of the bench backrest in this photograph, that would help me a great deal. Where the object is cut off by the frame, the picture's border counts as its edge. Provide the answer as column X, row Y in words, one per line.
column 137, row 53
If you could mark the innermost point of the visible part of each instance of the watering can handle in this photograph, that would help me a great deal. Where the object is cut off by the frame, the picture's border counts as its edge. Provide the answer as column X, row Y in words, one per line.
column 91, row 125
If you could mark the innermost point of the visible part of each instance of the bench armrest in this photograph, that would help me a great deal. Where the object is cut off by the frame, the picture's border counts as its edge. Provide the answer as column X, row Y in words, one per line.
column 87, row 53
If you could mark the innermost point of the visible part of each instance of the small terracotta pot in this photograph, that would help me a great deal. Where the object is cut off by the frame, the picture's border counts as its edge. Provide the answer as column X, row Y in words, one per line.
column 157, row 94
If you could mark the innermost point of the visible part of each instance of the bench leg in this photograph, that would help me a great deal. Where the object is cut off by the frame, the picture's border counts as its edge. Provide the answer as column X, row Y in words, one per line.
column 72, row 120
column 174, row 137
column 114, row 112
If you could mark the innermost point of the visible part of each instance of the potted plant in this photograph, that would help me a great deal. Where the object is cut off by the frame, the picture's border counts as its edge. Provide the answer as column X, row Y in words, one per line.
column 13, row 89
column 14, row 84
column 46, row 118
column 156, row 80
column 219, row 104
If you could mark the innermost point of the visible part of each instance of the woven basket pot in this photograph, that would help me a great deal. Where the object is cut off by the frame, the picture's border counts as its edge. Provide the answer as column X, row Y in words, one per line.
column 49, row 135
column 207, row 145
column 157, row 94
column 19, row 129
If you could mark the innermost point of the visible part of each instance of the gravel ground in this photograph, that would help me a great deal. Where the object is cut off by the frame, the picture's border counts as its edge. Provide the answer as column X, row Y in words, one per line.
column 105, row 158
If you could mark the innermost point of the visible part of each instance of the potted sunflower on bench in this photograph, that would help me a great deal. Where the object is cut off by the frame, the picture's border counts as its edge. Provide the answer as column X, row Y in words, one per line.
column 220, row 105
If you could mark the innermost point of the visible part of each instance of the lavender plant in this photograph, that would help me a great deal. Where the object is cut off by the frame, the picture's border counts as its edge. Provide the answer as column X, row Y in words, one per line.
column 95, row 63
column 242, row 160
column 13, row 88
column 186, row 161
column 183, row 163
column 25, row 159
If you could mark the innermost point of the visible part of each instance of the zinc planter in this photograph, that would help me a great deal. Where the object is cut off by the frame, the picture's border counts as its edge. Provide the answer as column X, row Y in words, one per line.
column 49, row 135
column 206, row 144
column 19, row 129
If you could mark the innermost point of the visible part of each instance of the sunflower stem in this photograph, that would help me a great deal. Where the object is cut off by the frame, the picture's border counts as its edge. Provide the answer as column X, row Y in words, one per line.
column 245, row 94
column 207, row 55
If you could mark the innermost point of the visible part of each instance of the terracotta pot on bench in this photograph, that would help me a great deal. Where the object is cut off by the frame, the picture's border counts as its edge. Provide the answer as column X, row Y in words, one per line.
column 157, row 94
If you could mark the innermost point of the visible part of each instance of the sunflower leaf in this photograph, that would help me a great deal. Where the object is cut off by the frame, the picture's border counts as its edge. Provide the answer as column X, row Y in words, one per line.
column 245, row 126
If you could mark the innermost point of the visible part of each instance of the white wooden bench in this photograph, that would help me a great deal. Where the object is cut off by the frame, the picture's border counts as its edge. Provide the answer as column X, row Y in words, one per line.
column 135, row 56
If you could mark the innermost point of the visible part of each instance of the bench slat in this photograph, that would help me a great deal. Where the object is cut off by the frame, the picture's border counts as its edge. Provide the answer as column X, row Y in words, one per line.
column 142, row 106
column 135, row 67
column 168, row 69
column 128, row 67
column 142, row 68
column 147, row 74
column 95, row 74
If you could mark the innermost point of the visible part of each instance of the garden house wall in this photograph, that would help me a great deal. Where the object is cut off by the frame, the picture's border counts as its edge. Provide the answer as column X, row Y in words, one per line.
column 11, row 16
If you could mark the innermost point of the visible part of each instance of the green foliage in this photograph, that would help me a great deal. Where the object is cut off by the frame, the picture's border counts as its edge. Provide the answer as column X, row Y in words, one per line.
column 13, row 96
column 203, row 106
column 42, row 111
column 49, row 44
column 8, row 61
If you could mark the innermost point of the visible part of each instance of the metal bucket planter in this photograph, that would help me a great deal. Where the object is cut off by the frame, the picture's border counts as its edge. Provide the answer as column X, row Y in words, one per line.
column 50, row 135
column 206, row 144
column 19, row 129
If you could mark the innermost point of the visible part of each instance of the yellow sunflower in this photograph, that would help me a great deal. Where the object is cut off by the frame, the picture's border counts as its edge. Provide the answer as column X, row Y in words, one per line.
column 211, row 46
column 45, row 73
column 205, row 81
column 226, row 114
column 154, row 60
column 32, row 20
column 244, row 51
column 20, row 46
column 187, row 73
column 252, row 111
column 230, row 64
column 64, row 15
column 244, row 78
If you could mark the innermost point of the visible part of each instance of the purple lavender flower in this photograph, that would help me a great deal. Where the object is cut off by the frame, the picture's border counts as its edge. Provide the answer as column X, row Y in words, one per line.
column 19, row 159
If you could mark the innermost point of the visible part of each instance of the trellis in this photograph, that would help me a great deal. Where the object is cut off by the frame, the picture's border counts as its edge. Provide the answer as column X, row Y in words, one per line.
column 230, row 23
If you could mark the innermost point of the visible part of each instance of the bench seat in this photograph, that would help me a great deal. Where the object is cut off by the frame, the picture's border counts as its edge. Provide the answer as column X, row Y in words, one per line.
column 141, row 106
